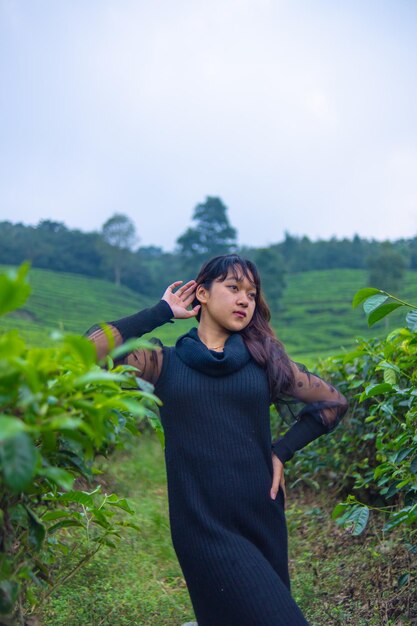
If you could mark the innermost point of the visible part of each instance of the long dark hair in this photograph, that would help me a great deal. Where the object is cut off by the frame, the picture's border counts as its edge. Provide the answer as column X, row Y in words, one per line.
column 260, row 339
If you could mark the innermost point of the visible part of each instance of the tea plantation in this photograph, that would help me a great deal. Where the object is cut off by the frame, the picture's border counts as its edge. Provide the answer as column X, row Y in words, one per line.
column 316, row 318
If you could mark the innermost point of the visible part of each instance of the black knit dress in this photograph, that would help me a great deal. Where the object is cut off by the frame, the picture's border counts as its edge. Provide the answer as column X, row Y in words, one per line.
column 229, row 535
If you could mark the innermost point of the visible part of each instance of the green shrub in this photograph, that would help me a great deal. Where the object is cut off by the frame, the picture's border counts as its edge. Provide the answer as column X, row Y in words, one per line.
column 59, row 410
column 372, row 456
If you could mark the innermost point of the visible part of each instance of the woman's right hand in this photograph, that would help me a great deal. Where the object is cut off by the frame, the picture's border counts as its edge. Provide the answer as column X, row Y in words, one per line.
column 181, row 299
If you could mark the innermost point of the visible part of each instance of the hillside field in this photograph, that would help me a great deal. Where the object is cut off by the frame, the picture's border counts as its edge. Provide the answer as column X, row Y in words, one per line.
column 316, row 317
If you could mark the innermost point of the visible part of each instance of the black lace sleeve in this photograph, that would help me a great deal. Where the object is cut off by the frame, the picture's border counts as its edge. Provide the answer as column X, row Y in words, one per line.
column 320, row 409
column 148, row 362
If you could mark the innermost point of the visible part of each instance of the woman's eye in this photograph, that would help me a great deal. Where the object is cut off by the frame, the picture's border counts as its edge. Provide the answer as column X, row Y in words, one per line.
column 233, row 286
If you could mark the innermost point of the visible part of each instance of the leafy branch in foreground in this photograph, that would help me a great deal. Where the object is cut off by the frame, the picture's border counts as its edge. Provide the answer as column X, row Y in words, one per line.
column 377, row 304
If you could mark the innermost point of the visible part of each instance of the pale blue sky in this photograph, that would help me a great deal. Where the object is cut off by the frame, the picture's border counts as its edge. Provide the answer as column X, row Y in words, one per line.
column 301, row 115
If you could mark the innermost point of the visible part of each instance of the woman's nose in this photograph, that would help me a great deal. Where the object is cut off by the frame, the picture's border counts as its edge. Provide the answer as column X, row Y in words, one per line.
column 243, row 299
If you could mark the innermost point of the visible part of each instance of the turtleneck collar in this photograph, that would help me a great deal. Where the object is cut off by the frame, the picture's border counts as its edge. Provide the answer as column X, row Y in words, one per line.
column 194, row 353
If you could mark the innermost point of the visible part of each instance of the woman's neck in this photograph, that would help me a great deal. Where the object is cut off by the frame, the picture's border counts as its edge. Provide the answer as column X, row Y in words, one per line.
column 212, row 337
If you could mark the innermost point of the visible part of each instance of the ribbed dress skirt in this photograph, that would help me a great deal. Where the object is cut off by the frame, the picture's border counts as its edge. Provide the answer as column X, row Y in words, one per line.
column 230, row 537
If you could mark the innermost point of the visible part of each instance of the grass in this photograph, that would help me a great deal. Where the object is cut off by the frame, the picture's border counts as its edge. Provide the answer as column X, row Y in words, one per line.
column 337, row 579
column 140, row 583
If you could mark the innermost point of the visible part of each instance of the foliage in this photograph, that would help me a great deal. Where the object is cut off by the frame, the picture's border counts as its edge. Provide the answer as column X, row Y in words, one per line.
column 211, row 235
column 271, row 266
column 119, row 231
column 58, row 411
column 118, row 236
column 377, row 304
column 302, row 255
column 382, row 380
column 51, row 245
column 375, row 454
column 386, row 267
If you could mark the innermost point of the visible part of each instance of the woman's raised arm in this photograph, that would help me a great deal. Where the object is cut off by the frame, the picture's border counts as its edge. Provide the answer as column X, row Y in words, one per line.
column 148, row 362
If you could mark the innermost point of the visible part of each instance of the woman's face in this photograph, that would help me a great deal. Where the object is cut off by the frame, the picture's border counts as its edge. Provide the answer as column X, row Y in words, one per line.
column 228, row 303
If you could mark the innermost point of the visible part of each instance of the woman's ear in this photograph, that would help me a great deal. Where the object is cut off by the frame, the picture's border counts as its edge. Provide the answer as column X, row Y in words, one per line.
column 201, row 294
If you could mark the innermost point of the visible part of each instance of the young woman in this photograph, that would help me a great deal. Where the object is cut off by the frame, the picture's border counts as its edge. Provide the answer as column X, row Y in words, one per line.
column 225, row 477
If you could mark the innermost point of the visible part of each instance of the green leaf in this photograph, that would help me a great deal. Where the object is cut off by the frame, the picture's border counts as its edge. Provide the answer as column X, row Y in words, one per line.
column 130, row 345
column 134, row 407
column 339, row 509
column 11, row 345
column 99, row 376
column 402, row 454
column 392, row 490
column 364, row 294
column 108, row 543
column 128, row 524
column 14, row 288
column 101, row 517
column 122, row 503
column 382, row 311
column 59, row 476
column 18, row 460
column 79, row 497
column 375, row 390
column 413, row 466
column 359, row 519
column 396, row 519
column 403, row 580
column 373, row 303
column 8, row 596
column 146, row 386
column 411, row 320
column 50, row 516
column 36, row 529
column 65, row 422
column 381, row 469
column 390, row 376
column 10, row 426
column 403, row 483
column 83, row 348
column 65, row 523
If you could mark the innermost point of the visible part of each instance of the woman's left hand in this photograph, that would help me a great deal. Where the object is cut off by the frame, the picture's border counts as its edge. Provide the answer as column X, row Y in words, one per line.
column 278, row 477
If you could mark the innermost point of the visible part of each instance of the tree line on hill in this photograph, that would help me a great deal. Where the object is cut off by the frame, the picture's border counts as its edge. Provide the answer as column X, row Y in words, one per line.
column 113, row 252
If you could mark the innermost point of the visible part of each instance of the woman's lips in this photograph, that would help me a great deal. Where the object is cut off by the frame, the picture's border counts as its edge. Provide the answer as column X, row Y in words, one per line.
column 240, row 314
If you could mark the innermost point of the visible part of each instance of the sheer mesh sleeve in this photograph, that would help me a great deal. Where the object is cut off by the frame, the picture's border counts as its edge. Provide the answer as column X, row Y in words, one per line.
column 148, row 362
column 317, row 407
column 320, row 398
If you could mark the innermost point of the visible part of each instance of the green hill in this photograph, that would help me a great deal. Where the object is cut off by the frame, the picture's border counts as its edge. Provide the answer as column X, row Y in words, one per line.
column 68, row 302
column 316, row 317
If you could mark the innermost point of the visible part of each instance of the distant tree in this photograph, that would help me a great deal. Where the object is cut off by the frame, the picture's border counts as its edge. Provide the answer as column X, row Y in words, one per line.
column 159, row 267
column 386, row 268
column 357, row 252
column 412, row 247
column 297, row 252
column 270, row 264
column 51, row 226
column 211, row 235
column 118, row 236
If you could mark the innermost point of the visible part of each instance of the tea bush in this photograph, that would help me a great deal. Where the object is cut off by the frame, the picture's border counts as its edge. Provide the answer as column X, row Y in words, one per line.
column 59, row 410
column 372, row 456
